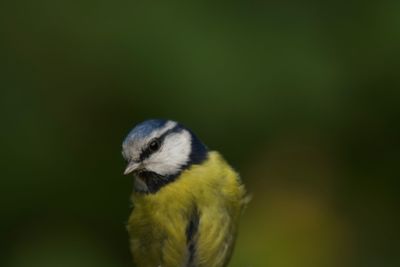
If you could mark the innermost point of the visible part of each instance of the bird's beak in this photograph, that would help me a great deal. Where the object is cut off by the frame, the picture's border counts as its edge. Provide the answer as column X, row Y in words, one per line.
column 131, row 167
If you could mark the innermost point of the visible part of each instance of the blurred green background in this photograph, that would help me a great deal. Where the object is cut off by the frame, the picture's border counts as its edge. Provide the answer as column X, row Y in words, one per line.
column 302, row 97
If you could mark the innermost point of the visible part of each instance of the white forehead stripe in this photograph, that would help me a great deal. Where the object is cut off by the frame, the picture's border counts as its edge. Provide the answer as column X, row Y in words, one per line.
column 168, row 126
column 156, row 133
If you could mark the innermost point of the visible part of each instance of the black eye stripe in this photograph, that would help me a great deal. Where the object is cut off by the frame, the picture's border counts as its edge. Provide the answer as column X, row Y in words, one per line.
column 147, row 152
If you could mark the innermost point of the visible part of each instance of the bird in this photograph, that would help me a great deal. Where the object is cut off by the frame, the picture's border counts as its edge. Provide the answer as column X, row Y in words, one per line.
column 186, row 199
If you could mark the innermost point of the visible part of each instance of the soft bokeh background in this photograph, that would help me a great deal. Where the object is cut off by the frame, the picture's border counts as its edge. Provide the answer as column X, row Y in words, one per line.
column 302, row 97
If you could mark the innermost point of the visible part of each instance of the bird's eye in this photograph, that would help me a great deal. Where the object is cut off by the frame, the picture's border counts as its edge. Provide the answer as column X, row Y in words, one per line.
column 154, row 145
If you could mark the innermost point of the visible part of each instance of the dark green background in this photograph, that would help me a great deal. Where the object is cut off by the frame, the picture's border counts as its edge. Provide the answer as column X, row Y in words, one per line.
column 302, row 97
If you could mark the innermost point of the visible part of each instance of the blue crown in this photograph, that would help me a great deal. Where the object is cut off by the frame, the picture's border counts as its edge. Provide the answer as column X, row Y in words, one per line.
column 145, row 128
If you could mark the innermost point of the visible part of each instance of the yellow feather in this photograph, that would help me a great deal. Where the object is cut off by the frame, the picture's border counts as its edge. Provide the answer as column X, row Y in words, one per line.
column 158, row 223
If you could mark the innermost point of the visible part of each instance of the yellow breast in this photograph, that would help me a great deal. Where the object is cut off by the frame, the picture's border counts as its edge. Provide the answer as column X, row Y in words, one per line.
column 158, row 225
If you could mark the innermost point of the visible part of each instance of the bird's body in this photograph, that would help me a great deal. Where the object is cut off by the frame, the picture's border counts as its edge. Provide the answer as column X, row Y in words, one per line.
column 189, row 217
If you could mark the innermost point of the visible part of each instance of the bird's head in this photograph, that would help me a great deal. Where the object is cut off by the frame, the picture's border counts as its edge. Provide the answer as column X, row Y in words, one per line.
column 156, row 152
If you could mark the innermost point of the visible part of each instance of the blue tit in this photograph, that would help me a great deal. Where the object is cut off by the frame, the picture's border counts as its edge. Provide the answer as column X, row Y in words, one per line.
column 187, row 200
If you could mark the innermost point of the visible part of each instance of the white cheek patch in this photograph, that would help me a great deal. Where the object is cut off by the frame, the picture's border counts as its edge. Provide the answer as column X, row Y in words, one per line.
column 173, row 154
